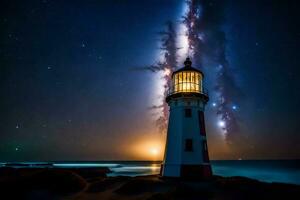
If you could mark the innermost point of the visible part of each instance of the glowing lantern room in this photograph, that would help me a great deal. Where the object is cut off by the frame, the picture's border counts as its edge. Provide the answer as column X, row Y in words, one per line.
column 187, row 79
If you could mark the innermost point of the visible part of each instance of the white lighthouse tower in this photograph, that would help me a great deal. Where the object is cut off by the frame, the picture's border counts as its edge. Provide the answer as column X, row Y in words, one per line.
column 186, row 153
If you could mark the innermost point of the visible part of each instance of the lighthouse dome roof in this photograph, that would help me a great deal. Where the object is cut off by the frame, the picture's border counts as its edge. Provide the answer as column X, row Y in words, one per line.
column 188, row 67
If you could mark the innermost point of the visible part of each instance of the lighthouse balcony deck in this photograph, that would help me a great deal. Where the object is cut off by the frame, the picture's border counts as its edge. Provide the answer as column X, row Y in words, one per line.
column 187, row 93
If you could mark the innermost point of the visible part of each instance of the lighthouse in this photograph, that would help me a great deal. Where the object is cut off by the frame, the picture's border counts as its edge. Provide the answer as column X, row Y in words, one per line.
column 186, row 152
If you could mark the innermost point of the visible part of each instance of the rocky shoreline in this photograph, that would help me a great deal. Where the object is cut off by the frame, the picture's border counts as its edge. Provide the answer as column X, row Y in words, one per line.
column 93, row 183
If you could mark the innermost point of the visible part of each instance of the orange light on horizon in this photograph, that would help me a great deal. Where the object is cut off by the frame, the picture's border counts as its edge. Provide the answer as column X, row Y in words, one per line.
column 146, row 149
column 154, row 151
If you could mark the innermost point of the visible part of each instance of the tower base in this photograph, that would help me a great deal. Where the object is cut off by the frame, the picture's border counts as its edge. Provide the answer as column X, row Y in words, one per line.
column 186, row 171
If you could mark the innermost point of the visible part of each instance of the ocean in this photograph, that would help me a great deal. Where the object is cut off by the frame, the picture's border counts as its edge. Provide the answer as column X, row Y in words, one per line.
column 284, row 171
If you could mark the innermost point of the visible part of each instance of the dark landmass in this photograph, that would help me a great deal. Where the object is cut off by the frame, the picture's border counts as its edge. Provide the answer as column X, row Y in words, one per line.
column 93, row 183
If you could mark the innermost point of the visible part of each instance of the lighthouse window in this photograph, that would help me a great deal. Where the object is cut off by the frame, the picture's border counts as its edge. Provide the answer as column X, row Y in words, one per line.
column 188, row 112
column 193, row 77
column 188, row 77
column 188, row 145
column 176, row 79
column 187, row 81
column 201, row 123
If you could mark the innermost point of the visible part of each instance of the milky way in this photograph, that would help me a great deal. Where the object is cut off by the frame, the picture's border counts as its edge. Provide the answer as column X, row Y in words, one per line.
column 167, row 65
column 206, row 38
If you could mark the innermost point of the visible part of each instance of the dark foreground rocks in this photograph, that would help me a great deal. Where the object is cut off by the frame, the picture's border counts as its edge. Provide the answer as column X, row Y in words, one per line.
column 34, row 183
column 92, row 183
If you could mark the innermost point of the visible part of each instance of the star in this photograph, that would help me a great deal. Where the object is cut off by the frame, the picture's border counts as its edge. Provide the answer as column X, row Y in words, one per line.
column 83, row 45
column 17, row 126
column 17, row 148
column 221, row 124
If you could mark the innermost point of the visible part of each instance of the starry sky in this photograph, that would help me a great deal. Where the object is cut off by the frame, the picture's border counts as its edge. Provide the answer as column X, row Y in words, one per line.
column 69, row 89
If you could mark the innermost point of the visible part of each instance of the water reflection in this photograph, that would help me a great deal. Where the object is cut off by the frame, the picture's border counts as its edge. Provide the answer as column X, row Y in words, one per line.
column 135, row 170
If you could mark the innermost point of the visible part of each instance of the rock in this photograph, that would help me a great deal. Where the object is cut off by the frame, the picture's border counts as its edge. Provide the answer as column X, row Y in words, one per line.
column 137, row 186
column 158, row 196
column 102, row 185
column 54, row 181
column 58, row 180
column 8, row 172
column 236, row 182
column 89, row 173
column 186, row 192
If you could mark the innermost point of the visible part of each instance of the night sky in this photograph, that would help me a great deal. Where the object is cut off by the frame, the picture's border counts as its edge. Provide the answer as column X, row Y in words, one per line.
column 70, row 90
